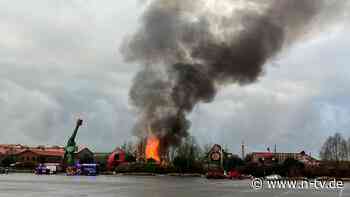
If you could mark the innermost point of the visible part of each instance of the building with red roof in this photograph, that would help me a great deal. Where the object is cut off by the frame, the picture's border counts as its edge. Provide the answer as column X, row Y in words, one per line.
column 32, row 156
column 280, row 157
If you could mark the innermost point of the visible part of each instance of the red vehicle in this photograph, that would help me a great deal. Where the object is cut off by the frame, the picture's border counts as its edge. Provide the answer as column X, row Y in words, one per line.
column 116, row 158
column 234, row 174
column 216, row 173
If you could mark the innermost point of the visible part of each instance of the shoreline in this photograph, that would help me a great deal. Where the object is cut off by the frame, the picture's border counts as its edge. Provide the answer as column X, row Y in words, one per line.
column 189, row 175
column 115, row 174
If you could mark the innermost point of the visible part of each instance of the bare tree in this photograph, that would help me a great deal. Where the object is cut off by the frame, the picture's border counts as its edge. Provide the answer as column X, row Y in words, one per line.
column 189, row 148
column 188, row 151
column 326, row 150
column 205, row 150
column 341, row 147
column 335, row 148
column 348, row 148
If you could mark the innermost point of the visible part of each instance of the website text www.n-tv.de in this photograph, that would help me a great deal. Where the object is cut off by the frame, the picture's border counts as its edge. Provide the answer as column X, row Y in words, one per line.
column 314, row 184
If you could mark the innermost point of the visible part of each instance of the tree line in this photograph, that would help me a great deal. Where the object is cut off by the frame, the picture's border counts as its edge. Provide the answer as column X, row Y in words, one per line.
column 335, row 148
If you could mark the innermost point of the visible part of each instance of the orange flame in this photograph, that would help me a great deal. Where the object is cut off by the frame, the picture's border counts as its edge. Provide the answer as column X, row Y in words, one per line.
column 152, row 147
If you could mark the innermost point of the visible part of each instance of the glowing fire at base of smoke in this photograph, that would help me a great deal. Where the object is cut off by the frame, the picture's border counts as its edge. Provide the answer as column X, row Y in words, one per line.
column 152, row 148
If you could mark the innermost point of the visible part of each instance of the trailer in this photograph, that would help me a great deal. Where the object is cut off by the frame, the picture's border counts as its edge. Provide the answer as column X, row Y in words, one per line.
column 47, row 169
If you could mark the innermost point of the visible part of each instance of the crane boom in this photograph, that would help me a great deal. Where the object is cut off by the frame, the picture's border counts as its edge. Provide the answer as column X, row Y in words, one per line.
column 71, row 146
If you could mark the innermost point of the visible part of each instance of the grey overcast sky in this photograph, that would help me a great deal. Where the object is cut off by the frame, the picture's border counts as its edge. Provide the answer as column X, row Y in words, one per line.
column 60, row 59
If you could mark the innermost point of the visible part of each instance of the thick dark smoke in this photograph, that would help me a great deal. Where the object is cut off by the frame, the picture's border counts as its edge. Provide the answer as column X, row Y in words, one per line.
column 190, row 48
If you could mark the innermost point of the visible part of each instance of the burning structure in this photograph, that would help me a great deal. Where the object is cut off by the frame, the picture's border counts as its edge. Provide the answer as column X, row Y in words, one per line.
column 149, row 149
column 189, row 49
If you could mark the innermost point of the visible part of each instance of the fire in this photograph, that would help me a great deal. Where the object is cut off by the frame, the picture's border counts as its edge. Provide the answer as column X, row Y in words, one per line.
column 152, row 148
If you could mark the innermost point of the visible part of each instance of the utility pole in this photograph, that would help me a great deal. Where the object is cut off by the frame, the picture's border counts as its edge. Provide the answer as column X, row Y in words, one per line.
column 243, row 150
column 221, row 157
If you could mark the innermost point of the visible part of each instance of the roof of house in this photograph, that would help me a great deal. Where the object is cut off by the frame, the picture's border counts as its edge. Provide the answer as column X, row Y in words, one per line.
column 81, row 148
column 3, row 151
column 263, row 154
column 40, row 152
column 16, row 149
column 11, row 148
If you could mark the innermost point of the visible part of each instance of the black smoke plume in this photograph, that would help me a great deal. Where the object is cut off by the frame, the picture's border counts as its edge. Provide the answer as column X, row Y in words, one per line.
column 191, row 48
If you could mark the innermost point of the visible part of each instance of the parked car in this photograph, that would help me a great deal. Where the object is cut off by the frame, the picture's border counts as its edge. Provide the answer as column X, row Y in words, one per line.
column 83, row 169
column 234, row 174
column 215, row 173
column 4, row 170
column 43, row 169
column 89, row 169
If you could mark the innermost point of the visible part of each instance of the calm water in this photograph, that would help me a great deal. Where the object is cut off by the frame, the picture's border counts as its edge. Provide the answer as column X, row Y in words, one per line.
column 26, row 185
